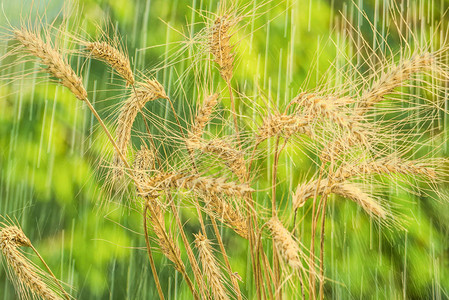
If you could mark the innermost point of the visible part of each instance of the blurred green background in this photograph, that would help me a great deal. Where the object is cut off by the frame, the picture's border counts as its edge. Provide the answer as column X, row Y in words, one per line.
column 50, row 150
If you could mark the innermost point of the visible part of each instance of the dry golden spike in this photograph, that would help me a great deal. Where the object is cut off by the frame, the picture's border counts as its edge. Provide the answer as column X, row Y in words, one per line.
column 220, row 45
column 233, row 158
column 204, row 185
column 305, row 191
column 227, row 214
column 143, row 161
column 393, row 79
column 284, row 124
column 211, row 270
column 114, row 57
column 27, row 279
column 164, row 238
column 59, row 67
column 352, row 192
column 387, row 166
column 285, row 244
column 202, row 117
column 56, row 64
column 145, row 92
column 330, row 107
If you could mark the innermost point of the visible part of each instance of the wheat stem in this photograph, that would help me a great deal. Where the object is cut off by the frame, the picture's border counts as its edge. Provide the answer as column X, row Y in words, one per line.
column 190, row 255
column 312, row 239
column 66, row 295
column 150, row 254
column 235, row 284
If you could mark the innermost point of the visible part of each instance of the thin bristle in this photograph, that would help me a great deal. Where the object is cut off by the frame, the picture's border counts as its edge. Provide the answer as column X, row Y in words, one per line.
column 114, row 57
column 23, row 274
column 210, row 268
column 55, row 62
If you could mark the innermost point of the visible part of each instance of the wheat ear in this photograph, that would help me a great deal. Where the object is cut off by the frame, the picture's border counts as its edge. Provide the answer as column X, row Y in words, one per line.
column 202, row 184
column 114, row 57
column 285, row 243
column 26, row 277
column 388, row 165
column 233, row 158
column 164, row 238
column 352, row 192
column 145, row 92
column 285, row 125
column 227, row 214
column 221, row 49
column 143, row 161
column 307, row 190
column 393, row 79
column 330, row 107
column 58, row 67
column 346, row 190
column 210, row 268
column 202, row 117
column 220, row 45
column 56, row 64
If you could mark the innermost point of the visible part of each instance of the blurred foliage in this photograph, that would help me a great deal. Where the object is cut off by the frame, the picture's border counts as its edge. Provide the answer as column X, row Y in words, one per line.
column 50, row 153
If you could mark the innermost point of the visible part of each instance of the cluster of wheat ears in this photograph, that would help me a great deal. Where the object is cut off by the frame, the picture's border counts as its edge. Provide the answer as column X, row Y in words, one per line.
column 359, row 134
